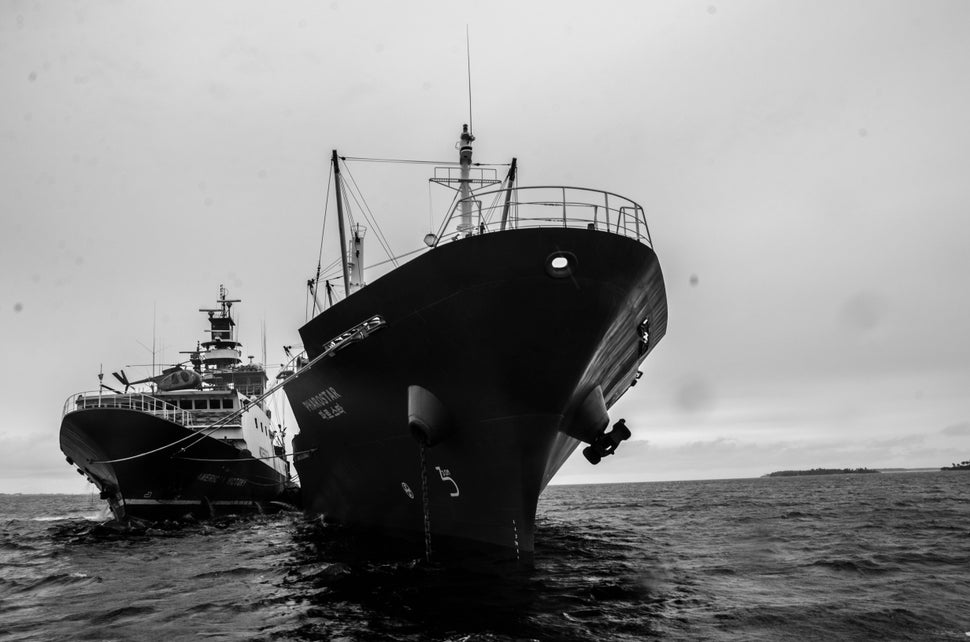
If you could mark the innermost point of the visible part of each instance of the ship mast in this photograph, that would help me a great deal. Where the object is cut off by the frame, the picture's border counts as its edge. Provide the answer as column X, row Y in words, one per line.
column 356, row 258
column 340, row 223
column 465, row 191
column 222, row 351
column 510, row 180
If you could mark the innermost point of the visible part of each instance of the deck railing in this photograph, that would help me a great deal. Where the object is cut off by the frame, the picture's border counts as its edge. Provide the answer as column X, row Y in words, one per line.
column 140, row 402
column 546, row 206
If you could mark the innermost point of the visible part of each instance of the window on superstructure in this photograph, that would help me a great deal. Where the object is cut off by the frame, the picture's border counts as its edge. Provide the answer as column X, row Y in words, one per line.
column 185, row 404
column 201, row 404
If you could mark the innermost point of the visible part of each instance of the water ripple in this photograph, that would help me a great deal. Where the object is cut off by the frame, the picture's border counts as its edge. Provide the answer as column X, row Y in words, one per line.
column 869, row 557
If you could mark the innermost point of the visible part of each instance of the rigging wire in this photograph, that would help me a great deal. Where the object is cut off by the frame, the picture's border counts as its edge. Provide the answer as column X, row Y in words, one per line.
column 329, row 272
column 416, row 162
column 330, row 266
column 399, row 256
column 323, row 231
column 430, row 211
column 342, row 186
column 326, row 208
column 371, row 218
column 448, row 217
column 238, row 459
column 369, row 215
column 202, row 434
column 333, row 275
column 324, row 274
column 209, row 429
column 491, row 209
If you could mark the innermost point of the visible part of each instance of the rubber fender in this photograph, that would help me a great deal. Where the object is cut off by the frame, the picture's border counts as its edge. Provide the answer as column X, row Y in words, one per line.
column 590, row 419
column 429, row 421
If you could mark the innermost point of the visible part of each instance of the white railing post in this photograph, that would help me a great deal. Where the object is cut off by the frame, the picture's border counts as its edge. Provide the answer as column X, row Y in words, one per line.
column 564, row 223
column 606, row 200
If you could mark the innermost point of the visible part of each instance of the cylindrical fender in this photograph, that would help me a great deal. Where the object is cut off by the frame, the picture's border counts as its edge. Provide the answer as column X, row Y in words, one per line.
column 429, row 421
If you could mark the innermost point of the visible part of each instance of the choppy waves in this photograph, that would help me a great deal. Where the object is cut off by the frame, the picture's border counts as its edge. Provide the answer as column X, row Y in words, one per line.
column 842, row 557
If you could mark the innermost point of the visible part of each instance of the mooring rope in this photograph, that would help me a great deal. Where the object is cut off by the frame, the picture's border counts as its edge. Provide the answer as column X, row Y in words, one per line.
column 284, row 456
column 357, row 332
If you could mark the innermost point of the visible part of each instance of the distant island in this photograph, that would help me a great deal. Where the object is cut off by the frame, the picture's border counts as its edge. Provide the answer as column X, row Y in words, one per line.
column 821, row 471
column 963, row 465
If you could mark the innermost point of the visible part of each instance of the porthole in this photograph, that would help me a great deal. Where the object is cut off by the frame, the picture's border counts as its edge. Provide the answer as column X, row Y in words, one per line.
column 560, row 264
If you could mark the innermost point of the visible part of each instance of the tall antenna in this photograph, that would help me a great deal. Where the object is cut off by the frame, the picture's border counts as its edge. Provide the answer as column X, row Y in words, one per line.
column 468, row 54
column 154, row 322
column 264, row 342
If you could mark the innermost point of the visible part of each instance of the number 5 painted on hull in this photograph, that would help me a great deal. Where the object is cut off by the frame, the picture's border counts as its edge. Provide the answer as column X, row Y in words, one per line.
column 445, row 475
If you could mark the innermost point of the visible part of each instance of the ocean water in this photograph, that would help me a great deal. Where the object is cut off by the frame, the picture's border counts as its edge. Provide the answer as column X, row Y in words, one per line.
column 843, row 557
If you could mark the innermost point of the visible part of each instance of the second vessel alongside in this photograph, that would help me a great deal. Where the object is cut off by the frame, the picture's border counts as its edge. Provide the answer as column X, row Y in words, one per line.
column 199, row 441
column 439, row 400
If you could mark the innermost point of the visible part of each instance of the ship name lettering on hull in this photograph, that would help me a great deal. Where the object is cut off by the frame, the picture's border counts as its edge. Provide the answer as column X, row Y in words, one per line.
column 331, row 411
column 212, row 478
column 321, row 399
column 325, row 403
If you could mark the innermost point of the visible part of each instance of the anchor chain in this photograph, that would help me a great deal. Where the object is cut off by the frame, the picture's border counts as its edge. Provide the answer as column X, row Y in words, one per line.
column 425, row 504
column 515, row 539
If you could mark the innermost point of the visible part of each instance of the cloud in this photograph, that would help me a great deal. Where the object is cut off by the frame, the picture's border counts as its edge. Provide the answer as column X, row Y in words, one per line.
column 29, row 464
column 957, row 430
column 796, row 339
column 896, row 442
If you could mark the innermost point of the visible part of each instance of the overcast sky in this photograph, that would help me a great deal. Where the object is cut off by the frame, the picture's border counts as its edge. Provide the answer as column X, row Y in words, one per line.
column 803, row 165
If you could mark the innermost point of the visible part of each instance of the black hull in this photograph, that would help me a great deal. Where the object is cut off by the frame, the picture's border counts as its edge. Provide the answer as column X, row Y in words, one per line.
column 510, row 349
column 165, row 484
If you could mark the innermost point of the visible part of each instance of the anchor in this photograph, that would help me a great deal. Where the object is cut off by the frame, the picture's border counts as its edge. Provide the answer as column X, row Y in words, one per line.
column 607, row 443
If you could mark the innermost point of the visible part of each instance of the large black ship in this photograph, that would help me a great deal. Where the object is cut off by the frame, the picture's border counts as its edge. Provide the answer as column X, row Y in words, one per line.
column 198, row 441
column 438, row 401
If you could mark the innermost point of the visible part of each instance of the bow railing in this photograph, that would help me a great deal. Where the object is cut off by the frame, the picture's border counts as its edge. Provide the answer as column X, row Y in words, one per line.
column 129, row 401
column 545, row 206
